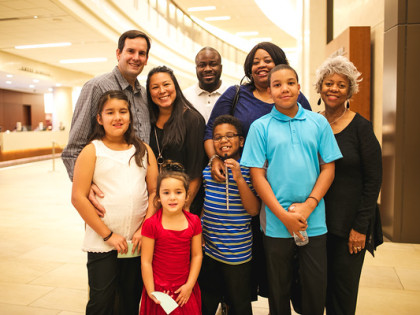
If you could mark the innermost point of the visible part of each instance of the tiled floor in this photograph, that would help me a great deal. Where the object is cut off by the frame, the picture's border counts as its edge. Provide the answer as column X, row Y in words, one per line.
column 42, row 269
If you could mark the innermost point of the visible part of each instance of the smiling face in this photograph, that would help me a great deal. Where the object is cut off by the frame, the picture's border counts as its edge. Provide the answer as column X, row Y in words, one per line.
column 132, row 58
column 334, row 90
column 162, row 90
column 114, row 117
column 227, row 142
column 172, row 194
column 284, row 89
column 208, row 69
column 261, row 66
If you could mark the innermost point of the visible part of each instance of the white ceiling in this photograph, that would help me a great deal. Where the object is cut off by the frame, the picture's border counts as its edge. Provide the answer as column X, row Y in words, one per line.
column 55, row 24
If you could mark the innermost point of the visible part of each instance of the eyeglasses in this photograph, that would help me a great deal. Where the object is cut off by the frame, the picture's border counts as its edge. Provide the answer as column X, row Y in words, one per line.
column 228, row 137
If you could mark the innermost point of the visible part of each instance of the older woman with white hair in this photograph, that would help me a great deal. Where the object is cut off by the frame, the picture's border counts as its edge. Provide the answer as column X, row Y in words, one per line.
column 351, row 202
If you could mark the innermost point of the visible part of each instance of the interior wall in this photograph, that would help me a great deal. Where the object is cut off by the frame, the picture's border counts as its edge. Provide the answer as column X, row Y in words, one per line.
column 11, row 108
column 366, row 13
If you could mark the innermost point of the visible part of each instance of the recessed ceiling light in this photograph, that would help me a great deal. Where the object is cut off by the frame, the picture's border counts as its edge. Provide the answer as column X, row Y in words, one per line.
column 58, row 84
column 83, row 60
column 217, row 18
column 43, row 45
column 8, row 82
column 196, row 9
column 31, row 86
column 9, row 75
column 35, row 80
column 251, row 33
column 50, row 89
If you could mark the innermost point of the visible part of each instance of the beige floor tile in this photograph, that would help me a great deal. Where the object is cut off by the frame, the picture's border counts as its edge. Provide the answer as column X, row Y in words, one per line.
column 63, row 299
column 395, row 254
column 8, row 309
column 21, row 294
column 70, row 313
column 387, row 302
column 380, row 277
column 24, row 271
column 410, row 278
column 55, row 254
column 72, row 276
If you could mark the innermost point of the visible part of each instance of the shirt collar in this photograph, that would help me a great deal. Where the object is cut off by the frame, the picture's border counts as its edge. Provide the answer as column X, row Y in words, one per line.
column 300, row 115
column 199, row 91
column 123, row 82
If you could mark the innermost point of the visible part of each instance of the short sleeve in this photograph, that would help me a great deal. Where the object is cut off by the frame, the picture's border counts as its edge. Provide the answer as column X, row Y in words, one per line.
column 149, row 228
column 328, row 148
column 254, row 153
column 195, row 222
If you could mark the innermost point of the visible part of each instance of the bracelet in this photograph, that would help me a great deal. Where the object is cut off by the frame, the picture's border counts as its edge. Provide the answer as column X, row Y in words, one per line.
column 312, row 197
column 108, row 237
column 214, row 156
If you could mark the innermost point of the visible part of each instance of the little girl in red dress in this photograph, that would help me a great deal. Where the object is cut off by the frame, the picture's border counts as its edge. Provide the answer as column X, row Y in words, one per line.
column 171, row 251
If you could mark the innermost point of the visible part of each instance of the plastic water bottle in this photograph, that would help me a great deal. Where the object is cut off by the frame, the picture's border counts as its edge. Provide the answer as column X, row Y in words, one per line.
column 298, row 241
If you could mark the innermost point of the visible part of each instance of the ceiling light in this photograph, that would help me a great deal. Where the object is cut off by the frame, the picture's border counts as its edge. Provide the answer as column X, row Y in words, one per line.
column 43, row 45
column 35, row 80
column 252, row 33
column 58, row 84
column 9, row 75
column 83, row 60
column 196, row 9
column 50, row 89
column 261, row 39
column 32, row 86
column 8, row 82
column 217, row 18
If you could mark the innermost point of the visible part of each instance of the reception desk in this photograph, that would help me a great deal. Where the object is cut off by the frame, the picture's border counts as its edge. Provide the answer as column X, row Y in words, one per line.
column 16, row 145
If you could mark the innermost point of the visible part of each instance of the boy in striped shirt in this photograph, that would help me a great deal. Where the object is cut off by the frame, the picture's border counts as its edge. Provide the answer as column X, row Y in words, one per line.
column 228, row 208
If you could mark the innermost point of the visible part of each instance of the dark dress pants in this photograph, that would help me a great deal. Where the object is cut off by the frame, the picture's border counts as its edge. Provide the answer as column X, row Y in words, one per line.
column 312, row 258
column 344, row 271
column 232, row 283
column 115, row 284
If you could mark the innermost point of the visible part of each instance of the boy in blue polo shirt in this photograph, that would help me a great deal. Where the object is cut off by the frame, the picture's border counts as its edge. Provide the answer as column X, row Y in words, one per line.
column 300, row 149
column 228, row 207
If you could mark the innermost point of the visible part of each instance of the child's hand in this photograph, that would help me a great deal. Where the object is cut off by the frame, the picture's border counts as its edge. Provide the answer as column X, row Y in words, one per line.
column 136, row 240
column 217, row 170
column 235, row 167
column 184, row 293
column 295, row 222
column 153, row 298
column 118, row 242
column 303, row 208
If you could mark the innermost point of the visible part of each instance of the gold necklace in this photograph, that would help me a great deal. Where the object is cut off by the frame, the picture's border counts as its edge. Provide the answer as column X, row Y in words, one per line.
column 345, row 111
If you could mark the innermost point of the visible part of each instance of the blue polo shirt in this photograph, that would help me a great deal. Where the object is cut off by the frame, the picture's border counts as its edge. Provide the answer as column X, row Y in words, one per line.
column 294, row 148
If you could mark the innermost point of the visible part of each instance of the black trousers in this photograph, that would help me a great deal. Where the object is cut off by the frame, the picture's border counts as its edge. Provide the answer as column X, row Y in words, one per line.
column 220, row 281
column 115, row 284
column 344, row 271
column 312, row 259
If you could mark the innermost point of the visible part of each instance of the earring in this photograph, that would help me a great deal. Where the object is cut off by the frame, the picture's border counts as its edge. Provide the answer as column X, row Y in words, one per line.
column 319, row 102
column 348, row 105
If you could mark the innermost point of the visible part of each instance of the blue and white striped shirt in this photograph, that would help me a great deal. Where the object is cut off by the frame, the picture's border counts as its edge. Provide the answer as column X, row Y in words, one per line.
column 227, row 233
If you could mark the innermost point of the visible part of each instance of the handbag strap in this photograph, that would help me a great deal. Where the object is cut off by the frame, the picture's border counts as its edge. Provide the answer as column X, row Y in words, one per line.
column 235, row 99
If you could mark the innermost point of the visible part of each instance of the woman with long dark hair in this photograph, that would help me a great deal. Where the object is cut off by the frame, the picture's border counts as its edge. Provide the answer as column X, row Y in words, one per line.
column 177, row 130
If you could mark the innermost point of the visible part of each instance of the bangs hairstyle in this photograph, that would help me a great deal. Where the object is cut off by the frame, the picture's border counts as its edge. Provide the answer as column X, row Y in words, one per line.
column 129, row 136
column 275, row 52
column 342, row 66
column 174, row 129
column 231, row 120
column 281, row 67
column 171, row 169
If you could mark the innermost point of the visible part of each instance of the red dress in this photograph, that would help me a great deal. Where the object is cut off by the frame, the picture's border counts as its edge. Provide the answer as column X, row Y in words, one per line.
column 171, row 263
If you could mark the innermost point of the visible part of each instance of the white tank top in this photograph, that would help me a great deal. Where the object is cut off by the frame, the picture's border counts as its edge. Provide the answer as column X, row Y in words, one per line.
column 125, row 194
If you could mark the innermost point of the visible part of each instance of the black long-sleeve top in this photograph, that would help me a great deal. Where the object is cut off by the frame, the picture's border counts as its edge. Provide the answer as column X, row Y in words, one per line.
column 351, row 200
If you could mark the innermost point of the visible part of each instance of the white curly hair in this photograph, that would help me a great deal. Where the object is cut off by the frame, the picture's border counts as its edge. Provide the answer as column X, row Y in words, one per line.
column 338, row 65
